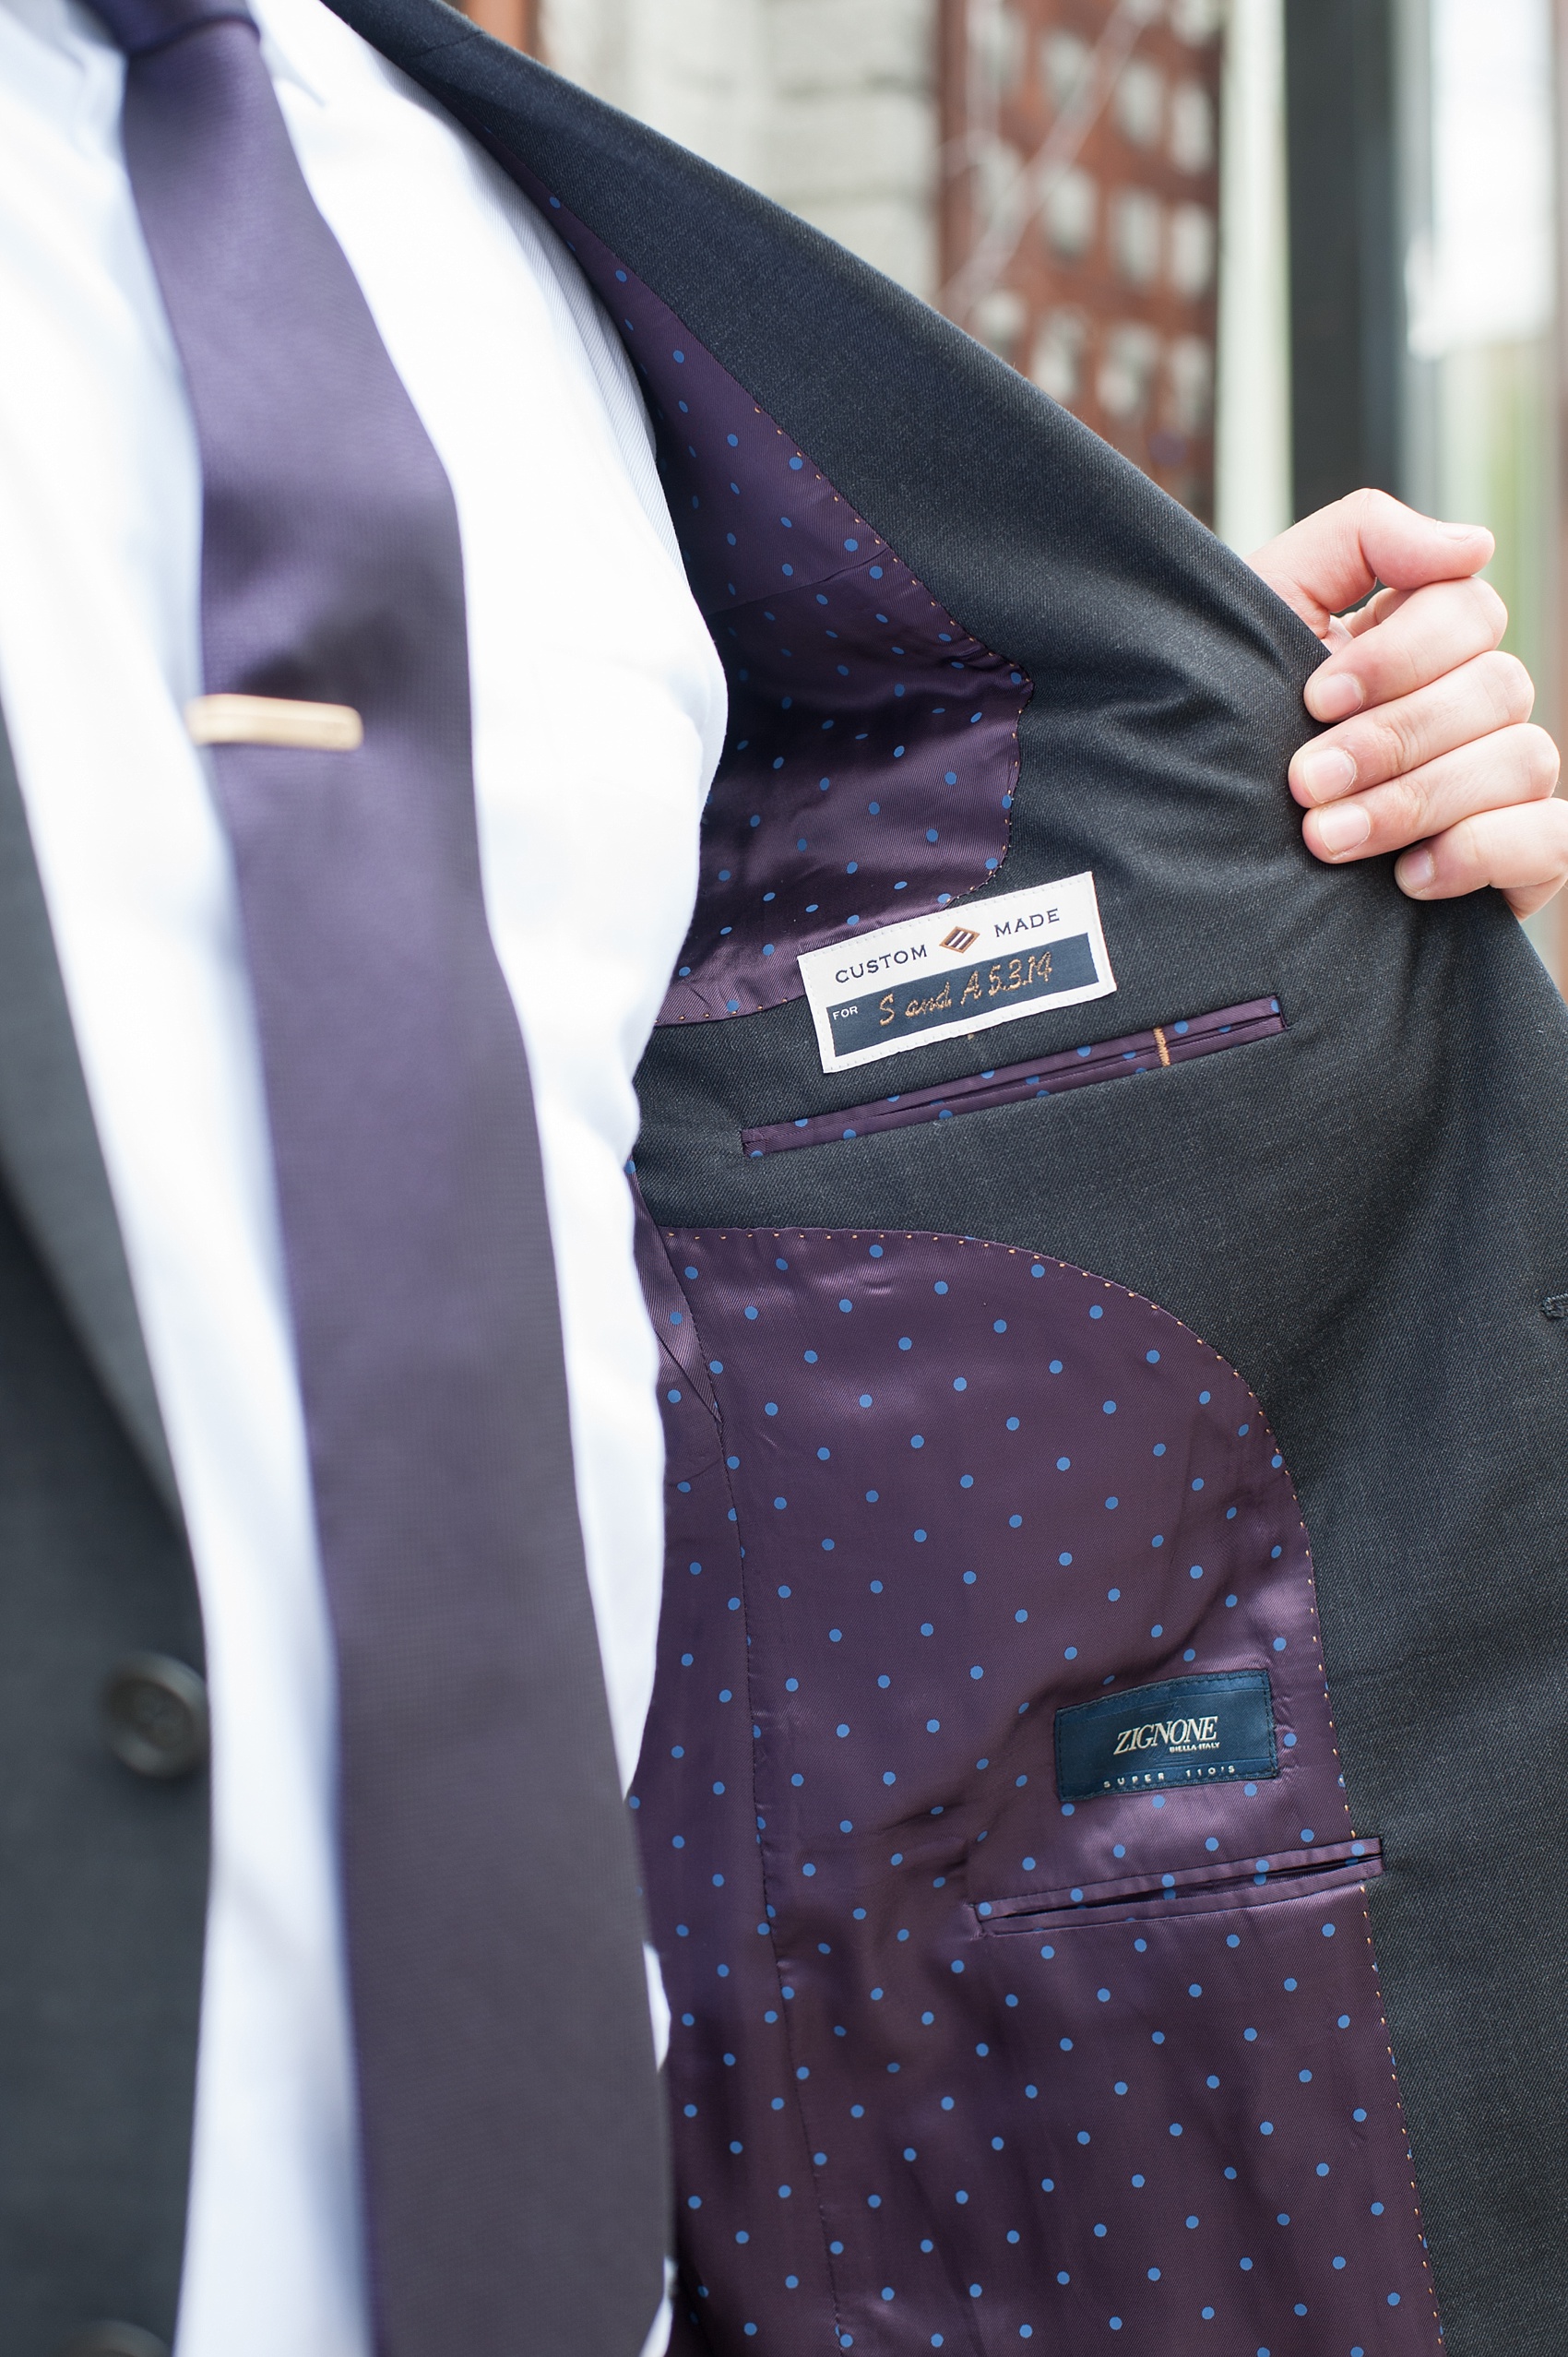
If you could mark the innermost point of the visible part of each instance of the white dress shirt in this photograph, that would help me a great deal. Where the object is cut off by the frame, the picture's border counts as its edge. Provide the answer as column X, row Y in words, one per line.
column 599, row 709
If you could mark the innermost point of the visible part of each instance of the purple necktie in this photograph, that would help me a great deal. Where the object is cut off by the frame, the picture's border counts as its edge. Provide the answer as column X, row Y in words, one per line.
column 511, row 2127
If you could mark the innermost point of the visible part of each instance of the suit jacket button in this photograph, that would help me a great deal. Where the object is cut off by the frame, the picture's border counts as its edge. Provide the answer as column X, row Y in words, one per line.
column 154, row 1716
column 112, row 2339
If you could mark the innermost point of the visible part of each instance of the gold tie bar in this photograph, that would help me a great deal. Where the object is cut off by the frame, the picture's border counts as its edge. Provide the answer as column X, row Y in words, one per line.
column 274, row 719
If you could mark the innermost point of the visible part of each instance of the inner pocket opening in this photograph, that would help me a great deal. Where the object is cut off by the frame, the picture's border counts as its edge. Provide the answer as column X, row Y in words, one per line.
column 1052, row 1076
column 1232, row 1881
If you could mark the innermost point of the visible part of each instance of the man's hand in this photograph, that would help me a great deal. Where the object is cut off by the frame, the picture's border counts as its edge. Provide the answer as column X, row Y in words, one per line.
column 1431, row 752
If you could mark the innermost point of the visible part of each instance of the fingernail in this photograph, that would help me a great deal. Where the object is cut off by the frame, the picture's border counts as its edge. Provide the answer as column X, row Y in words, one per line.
column 1336, row 697
column 1342, row 826
column 1416, row 870
column 1325, row 772
column 1462, row 532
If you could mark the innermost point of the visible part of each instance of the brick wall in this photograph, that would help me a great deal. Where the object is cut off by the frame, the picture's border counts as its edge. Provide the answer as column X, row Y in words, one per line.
column 828, row 105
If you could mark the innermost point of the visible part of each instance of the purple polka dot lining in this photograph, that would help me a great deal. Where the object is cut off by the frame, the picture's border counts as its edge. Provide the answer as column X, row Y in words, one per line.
column 873, row 747
column 1026, row 2064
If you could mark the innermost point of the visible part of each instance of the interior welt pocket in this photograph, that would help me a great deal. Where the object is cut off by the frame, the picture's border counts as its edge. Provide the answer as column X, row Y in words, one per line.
column 1193, row 1891
column 1051, row 1076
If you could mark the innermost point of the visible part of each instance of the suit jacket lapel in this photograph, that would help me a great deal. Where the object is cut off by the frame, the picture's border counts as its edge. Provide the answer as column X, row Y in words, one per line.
column 50, row 1158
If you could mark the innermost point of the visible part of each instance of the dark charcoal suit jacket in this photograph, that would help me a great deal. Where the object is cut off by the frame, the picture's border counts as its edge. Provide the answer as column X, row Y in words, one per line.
column 1044, row 1849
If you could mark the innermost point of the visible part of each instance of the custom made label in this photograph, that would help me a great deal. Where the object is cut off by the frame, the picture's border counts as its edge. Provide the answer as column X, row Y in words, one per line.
column 1212, row 1728
column 964, row 969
